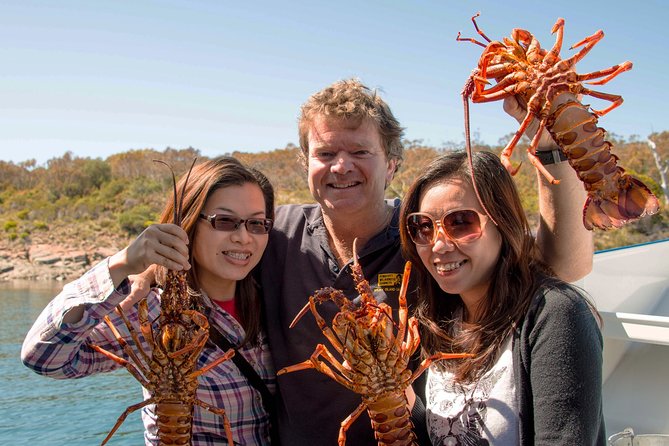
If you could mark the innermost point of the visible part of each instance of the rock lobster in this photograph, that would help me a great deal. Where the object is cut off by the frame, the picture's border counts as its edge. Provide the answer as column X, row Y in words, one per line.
column 376, row 354
column 521, row 67
column 169, row 372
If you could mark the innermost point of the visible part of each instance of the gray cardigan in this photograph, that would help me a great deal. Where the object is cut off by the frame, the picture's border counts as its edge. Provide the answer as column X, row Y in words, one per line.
column 558, row 367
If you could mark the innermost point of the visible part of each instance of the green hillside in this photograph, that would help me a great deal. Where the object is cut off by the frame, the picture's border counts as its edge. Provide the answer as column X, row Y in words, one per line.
column 85, row 202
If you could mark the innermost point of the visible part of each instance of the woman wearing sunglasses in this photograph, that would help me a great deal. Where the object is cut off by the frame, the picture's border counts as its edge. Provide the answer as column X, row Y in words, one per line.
column 535, row 377
column 227, row 213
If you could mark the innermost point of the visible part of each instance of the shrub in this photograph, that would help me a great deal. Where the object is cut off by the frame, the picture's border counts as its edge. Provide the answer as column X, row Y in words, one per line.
column 134, row 220
column 10, row 225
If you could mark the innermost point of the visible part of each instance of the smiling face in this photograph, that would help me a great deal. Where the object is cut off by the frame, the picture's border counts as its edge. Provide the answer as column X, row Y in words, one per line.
column 348, row 167
column 466, row 268
column 221, row 258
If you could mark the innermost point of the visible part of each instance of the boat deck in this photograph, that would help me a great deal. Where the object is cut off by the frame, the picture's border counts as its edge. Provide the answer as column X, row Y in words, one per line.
column 630, row 287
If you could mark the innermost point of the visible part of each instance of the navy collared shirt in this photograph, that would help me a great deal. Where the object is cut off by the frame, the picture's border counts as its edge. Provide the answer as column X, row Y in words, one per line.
column 297, row 262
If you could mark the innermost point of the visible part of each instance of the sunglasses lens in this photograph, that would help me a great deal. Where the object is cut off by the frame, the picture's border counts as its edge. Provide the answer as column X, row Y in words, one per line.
column 258, row 225
column 421, row 229
column 462, row 225
column 229, row 223
column 226, row 223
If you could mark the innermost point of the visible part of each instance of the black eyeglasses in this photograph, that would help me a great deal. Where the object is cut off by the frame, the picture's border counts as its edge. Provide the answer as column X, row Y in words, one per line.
column 462, row 225
column 228, row 223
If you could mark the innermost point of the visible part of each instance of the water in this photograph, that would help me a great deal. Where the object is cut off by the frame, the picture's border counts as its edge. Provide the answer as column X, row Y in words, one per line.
column 35, row 410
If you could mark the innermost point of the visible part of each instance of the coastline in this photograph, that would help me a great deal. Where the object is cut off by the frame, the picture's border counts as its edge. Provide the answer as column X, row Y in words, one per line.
column 50, row 258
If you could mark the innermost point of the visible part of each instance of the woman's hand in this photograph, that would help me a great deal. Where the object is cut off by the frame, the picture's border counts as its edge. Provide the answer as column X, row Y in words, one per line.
column 518, row 110
column 159, row 244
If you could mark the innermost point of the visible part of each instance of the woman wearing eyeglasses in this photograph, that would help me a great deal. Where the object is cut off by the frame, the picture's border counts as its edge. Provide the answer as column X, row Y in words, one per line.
column 535, row 377
column 227, row 213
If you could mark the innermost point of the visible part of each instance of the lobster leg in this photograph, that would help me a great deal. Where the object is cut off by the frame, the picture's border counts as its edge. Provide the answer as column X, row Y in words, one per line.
column 199, row 338
column 614, row 98
column 348, row 421
column 327, row 331
column 144, row 324
column 496, row 71
column 534, row 50
column 514, row 79
column 123, row 416
column 133, row 334
column 589, row 42
column 469, row 39
column 403, row 310
column 314, row 363
column 132, row 368
column 479, row 30
column 436, row 357
column 505, row 156
column 222, row 413
column 124, row 345
column 227, row 355
column 531, row 154
column 609, row 72
column 554, row 54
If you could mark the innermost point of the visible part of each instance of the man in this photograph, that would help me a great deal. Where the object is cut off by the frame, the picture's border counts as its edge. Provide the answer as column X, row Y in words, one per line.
column 351, row 146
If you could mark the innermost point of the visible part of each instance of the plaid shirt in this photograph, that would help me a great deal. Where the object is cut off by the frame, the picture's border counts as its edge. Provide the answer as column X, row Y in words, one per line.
column 59, row 350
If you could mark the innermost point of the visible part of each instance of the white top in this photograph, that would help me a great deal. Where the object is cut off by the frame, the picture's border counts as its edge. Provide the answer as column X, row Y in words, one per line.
column 482, row 413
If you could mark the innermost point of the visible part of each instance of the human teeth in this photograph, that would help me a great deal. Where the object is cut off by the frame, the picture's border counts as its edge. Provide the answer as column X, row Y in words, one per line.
column 237, row 255
column 343, row 186
column 446, row 267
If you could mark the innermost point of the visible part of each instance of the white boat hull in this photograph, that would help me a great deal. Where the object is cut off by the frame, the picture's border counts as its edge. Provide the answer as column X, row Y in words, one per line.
column 630, row 287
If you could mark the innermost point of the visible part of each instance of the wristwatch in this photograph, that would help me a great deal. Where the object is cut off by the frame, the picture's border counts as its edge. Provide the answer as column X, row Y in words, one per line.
column 551, row 156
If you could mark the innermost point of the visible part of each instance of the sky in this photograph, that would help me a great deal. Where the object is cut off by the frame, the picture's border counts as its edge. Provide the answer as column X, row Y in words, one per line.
column 102, row 77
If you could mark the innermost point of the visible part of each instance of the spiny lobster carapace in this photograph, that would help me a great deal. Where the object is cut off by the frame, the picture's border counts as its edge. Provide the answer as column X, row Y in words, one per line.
column 168, row 371
column 376, row 354
column 521, row 67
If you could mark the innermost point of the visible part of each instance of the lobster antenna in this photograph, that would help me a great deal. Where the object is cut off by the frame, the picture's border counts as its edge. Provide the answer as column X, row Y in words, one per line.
column 174, row 185
column 183, row 190
column 467, row 90
column 178, row 201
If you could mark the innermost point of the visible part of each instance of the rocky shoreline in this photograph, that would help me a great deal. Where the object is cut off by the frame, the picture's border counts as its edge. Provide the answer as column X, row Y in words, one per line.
column 45, row 261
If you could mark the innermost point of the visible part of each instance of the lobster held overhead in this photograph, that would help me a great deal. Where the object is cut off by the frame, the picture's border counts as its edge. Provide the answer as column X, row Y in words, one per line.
column 519, row 66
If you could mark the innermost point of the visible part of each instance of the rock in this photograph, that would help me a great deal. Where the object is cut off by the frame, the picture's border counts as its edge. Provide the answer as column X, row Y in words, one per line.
column 47, row 260
column 43, row 251
column 103, row 252
column 78, row 257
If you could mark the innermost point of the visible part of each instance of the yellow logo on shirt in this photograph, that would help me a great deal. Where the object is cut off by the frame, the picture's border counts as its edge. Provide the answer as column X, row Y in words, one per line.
column 390, row 281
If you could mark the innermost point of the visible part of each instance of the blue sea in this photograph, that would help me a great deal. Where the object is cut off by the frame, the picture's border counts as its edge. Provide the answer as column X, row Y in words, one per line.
column 35, row 410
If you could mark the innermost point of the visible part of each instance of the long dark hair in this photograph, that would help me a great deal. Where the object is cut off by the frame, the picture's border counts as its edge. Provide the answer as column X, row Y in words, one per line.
column 516, row 277
column 205, row 179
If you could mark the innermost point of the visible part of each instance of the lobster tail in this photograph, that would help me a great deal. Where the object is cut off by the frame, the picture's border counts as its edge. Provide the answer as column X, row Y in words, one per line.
column 633, row 201
column 614, row 197
column 174, row 423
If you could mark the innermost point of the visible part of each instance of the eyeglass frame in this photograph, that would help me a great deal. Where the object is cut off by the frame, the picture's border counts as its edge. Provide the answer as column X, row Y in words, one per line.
column 267, row 222
column 437, row 224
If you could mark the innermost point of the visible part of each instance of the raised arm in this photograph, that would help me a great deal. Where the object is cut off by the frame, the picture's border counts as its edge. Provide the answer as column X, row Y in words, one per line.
column 56, row 345
column 562, row 239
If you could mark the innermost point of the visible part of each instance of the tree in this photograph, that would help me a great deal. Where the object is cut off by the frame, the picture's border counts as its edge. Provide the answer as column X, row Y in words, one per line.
column 662, row 167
